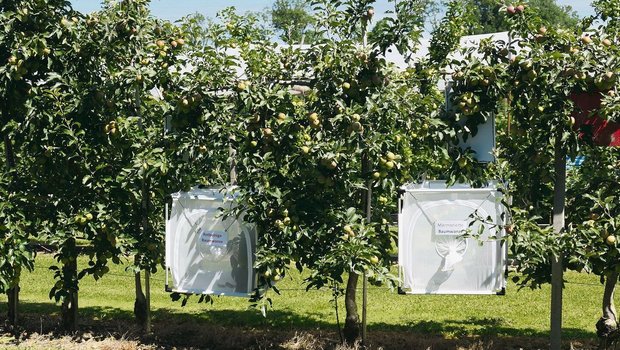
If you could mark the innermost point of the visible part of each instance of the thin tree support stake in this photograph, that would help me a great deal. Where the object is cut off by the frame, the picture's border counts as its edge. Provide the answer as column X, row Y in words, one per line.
column 232, row 154
column 147, row 290
column 75, row 309
column 364, row 307
column 12, row 293
column 365, row 281
column 557, row 271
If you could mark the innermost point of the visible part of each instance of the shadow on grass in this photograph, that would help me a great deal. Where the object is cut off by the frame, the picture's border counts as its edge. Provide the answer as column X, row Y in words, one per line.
column 483, row 327
column 248, row 329
column 213, row 329
column 48, row 315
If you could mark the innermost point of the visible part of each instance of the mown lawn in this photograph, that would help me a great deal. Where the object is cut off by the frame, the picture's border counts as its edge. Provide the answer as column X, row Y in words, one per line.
column 519, row 313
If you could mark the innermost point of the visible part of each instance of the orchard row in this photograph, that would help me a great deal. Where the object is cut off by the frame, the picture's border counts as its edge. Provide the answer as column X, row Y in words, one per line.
column 105, row 115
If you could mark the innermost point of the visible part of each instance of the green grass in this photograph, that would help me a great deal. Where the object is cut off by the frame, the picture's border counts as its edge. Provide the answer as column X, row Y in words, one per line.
column 519, row 313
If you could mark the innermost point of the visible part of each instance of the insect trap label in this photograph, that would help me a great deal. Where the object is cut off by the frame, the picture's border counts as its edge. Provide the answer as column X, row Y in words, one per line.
column 451, row 228
column 214, row 238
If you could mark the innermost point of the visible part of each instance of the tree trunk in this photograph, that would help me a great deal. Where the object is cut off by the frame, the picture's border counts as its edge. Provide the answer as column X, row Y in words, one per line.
column 607, row 325
column 69, row 307
column 8, row 150
column 13, row 301
column 140, row 306
column 351, row 328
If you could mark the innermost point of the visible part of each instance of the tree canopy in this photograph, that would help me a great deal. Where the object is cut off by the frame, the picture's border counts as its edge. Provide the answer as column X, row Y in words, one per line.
column 292, row 20
column 491, row 21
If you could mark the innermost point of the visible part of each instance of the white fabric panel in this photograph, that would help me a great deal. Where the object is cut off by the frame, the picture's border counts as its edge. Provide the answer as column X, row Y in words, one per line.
column 205, row 253
column 434, row 257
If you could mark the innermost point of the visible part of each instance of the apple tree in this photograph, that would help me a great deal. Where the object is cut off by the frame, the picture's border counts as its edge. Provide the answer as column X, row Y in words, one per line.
column 541, row 73
column 148, row 127
column 595, row 219
column 324, row 136
column 32, row 43
column 594, row 215
column 98, row 164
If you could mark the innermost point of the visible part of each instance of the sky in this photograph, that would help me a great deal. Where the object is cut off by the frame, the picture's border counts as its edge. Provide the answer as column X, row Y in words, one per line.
column 175, row 9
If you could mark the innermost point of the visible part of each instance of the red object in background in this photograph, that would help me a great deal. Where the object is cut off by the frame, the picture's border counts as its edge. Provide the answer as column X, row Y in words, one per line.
column 602, row 131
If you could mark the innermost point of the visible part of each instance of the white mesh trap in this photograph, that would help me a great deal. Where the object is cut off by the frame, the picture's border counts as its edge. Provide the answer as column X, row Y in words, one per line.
column 207, row 253
column 434, row 256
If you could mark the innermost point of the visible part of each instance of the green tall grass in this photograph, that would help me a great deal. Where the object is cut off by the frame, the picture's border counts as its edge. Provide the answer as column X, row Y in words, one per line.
column 519, row 313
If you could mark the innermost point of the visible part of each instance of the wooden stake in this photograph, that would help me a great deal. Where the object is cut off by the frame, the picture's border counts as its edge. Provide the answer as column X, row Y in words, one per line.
column 13, row 292
column 557, row 271
column 365, row 280
column 147, row 290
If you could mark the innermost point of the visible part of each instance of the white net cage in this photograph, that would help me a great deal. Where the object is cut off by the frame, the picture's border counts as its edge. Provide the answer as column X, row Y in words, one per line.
column 207, row 252
column 450, row 239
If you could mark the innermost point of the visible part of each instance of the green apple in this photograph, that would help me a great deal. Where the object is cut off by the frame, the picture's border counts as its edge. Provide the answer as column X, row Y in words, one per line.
column 611, row 240
column 279, row 224
column 242, row 85
column 357, row 126
column 463, row 162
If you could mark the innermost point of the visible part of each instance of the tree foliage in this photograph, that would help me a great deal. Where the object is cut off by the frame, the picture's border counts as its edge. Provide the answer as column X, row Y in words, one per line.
column 293, row 20
column 491, row 21
column 540, row 76
column 104, row 115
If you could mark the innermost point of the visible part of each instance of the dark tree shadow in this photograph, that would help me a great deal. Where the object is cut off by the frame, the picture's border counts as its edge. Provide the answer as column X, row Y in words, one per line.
column 248, row 329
